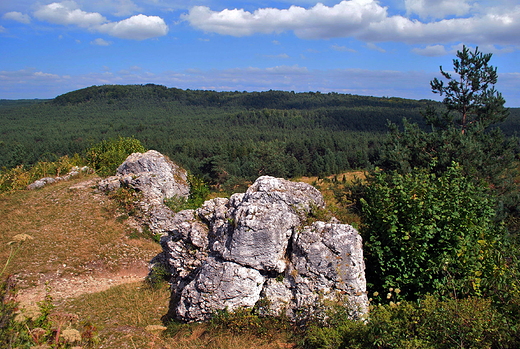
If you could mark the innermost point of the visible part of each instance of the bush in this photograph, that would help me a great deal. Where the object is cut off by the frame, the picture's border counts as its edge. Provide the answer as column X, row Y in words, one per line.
column 427, row 233
column 199, row 193
column 428, row 324
column 19, row 177
column 106, row 156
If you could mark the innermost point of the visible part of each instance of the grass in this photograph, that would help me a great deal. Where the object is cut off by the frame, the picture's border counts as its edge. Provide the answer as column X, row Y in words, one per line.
column 75, row 230
column 129, row 316
column 332, row 185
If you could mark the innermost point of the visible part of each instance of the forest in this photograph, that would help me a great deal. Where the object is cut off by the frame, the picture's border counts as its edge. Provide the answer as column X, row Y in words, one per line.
column 218, row 136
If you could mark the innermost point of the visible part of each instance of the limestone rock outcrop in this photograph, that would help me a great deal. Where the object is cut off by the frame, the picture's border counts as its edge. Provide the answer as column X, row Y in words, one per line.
column 157, row 178
column 256, row 249
column 74, row 171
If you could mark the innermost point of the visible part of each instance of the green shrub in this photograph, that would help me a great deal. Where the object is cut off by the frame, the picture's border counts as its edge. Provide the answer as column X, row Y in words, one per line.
column 427, row 233
column 428, row 324
column 246, row 321
column 199, row 193
column 106, row 156
column 127, row 199
column 158, row 276
column 19, row 177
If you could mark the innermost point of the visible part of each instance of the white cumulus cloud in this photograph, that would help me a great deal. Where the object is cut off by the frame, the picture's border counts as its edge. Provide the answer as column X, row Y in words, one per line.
column 100, row 42
column 367, row 20
column 138, row 27
column 17, row 16
column 320, row 21
column 67, row 13
column 437, row 8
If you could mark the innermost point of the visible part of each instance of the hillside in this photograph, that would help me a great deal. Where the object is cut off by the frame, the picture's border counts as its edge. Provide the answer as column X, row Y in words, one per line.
column 90, row 256
column 215, row 134
column 221, row 137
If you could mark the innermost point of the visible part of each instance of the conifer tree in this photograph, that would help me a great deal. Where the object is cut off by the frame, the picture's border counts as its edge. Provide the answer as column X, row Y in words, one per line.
column 470, row 97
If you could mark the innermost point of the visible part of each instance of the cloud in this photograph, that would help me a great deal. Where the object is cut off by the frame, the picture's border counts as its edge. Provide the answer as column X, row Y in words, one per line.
column 17, row 16
column 28, row 75
column 126, row 7
column 342, row 49
column 101, row 42
column 374, row 47
column 366, row 20
column 67, row 13
column 431, row 51
column 320, row 21
column 138, row 27
column 3, row 30
column 437, row 8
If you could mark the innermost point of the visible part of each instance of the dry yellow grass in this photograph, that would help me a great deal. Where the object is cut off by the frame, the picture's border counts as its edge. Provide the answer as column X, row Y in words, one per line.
column 75, row 231
column 129, row 316
column 336, row 182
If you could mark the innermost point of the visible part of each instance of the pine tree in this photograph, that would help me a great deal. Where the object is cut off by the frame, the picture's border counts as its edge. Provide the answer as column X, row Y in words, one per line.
column 470, row 98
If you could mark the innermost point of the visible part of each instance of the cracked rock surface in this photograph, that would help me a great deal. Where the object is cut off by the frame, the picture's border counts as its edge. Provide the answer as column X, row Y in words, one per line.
column 254, row 249
column 157, row 178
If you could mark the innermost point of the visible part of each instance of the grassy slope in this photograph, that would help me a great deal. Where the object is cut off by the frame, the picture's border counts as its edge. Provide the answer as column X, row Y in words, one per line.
column 74, row 230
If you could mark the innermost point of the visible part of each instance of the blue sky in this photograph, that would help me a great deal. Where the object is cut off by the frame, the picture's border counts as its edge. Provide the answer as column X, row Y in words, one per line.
column 365, row 47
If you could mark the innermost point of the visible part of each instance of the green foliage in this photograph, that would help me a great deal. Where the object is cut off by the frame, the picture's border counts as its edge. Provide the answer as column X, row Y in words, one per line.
column 7, row 311
column 428, row 233
column 158, row 276
column 462, row 132
column 485, row 156
column 470, row 98
column 428, row 324
column 35, row 326
column 106, row 156
column 127, row 199
column 222, row 137
column 245, row 321
column 199, row 193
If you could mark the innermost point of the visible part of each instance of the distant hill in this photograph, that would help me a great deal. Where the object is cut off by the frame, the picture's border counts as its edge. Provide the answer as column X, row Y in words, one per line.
column 216, row 135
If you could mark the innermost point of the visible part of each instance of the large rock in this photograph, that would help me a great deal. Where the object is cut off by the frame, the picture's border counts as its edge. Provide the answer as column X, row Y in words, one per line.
column 157, row 178
column 219, row 284
column 256, row 250
column 264, row 219
column 155, row 175
column 327, row 263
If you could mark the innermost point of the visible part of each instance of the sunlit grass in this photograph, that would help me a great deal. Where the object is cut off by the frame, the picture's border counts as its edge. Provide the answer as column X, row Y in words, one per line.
column 72, row 227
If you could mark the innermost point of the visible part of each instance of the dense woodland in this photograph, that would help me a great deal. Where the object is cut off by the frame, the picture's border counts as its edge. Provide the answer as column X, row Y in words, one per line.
column 219, row 136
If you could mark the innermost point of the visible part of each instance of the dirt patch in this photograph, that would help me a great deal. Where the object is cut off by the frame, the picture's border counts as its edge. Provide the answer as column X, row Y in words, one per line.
column 61, row 287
